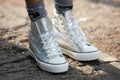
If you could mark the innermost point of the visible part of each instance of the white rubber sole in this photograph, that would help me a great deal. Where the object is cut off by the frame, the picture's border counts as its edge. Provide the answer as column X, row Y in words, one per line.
column 53, row 68
column 82, row 56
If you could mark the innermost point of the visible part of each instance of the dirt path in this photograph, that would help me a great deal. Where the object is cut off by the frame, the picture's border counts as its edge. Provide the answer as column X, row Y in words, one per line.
column 102, row 28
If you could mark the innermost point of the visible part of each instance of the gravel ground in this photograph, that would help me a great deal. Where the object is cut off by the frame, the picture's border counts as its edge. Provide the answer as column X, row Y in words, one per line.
column 100, row 20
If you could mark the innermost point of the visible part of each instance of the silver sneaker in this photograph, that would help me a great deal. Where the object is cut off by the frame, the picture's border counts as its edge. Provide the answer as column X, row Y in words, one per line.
column 72, row 39
column 44, row 48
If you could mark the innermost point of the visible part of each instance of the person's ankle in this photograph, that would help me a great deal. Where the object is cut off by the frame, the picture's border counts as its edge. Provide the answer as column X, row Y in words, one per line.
column 63, row 9
column 36, row 11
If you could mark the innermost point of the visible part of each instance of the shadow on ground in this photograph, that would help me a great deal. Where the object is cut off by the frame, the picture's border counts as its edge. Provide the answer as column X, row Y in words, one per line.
column 114, row 3
column 16, row 64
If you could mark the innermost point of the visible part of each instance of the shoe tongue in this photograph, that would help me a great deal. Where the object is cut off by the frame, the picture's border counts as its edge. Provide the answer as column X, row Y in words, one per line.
column 44, row 25
column 67, row 13
column 69, row 16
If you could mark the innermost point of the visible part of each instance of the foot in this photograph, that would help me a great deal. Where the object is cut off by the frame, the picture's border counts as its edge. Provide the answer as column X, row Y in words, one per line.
column 72, row 39
column 44, row 48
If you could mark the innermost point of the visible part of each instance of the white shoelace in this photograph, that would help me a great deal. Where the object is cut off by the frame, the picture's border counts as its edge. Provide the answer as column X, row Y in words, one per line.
column 50, row 45
column 76, row 34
